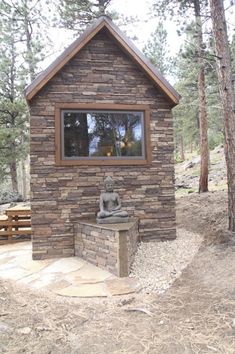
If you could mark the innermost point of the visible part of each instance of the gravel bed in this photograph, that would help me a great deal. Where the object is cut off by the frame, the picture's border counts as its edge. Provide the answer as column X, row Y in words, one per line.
column 158, row 264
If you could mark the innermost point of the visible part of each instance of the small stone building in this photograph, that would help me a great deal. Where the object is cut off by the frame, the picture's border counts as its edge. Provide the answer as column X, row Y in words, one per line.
column 100, row 109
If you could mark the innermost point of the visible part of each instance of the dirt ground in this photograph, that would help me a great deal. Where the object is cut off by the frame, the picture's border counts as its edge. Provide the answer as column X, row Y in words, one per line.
column 197, row 315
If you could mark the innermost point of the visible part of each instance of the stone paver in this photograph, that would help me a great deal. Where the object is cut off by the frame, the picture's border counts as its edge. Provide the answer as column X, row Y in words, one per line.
column 85, row 290
column 121, row 286
column 65, row 276
column 34, row 266
column 14, row 273
column 93, row 273
column 64, row 265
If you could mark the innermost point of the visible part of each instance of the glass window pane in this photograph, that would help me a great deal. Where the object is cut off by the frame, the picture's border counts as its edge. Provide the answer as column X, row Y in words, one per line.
column 102, row 134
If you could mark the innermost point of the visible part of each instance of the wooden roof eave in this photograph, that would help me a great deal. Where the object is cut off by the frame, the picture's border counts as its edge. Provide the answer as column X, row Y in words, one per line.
column 125, row 43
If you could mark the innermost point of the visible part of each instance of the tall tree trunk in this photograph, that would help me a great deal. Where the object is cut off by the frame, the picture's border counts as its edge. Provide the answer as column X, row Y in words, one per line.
column 13, row 172
column 203, row 126
column 182, row 157
column 224, row 72
column 28, row 33
column 191, row 147
column 24, row 181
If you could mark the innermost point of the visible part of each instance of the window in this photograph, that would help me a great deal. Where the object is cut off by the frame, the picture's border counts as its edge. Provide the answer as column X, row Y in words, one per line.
column 96, row 135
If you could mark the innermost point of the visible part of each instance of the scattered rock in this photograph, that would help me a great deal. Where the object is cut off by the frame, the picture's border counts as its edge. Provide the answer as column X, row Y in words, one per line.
column 212, row 348
column 43, row 328
column 9, row 197
column 5, row 328
column 192, row 163
column 126, row 301
column 233, row 322
column 181, row 185
column 24, row 330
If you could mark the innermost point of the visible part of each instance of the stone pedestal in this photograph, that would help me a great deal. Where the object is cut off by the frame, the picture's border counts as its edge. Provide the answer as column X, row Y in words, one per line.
column 111, row 247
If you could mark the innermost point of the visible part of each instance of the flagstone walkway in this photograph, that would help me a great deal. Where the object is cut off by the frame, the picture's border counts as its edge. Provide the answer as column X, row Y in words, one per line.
column 65, row 276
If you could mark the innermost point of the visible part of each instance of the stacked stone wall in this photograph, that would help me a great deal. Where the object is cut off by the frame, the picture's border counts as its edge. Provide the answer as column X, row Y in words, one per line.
column 111, row 247
column 61, row 195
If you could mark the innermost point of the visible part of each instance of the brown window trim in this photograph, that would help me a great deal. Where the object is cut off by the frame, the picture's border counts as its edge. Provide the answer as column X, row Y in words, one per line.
column 92, row 161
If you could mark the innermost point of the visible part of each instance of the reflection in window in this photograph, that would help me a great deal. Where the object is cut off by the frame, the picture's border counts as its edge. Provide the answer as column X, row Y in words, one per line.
column 102, row 134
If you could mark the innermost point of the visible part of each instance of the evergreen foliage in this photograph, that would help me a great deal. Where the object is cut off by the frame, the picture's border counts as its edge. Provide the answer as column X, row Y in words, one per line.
column 76, row 15
column 186, row 124
column 13, row 110
column 186, row 114
column 21, row 49
column 157, row 50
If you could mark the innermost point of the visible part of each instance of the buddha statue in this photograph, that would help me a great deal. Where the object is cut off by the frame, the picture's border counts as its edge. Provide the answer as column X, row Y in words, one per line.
column 110, row 205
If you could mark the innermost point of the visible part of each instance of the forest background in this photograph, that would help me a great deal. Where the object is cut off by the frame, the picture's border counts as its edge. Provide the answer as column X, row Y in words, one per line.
column 176, row 36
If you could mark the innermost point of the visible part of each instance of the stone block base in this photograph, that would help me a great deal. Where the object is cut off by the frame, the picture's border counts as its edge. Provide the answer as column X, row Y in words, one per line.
column 111, row 247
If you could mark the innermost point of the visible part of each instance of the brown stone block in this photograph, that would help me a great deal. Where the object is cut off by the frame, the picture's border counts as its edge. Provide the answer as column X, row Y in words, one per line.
column 90, row 238
column 91, row 246
column 40, row 220
column 100, row 260
column 111, row 263
column 108, row 244
column 68, row 252
column 95, row 233
column 37, row 256
column 54, row 252
column 42, row 231
column 103, row 253
column 108, row 233
column 44, row 204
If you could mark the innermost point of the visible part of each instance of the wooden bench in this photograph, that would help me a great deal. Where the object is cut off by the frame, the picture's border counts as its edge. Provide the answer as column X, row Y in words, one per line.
column 15, row 224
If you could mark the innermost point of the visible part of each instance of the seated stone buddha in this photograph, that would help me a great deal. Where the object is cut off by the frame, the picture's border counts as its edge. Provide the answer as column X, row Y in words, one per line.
column 110, row 205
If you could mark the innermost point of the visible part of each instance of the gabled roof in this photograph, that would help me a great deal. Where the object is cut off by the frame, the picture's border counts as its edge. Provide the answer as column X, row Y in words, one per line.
column 103, row 22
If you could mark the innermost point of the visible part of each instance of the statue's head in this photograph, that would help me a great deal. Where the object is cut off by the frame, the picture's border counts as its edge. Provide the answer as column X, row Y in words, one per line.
column 108, row 184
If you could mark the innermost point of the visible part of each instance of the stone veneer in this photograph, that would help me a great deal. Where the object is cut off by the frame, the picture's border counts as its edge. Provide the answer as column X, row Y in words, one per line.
column 111, row 247
column 100, row 73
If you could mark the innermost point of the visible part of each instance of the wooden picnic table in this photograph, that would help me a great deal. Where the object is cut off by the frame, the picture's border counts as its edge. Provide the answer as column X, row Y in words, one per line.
column 15, row 222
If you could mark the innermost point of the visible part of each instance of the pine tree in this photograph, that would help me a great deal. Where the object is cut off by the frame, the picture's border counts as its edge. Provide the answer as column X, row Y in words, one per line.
column 22, row 50
column 186, row 124
column 215, row 121
column 157, row 50
column 13, row 111
column 77, row 15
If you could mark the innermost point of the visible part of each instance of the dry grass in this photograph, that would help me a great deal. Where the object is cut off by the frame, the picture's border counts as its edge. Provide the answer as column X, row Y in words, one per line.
column 179, row 323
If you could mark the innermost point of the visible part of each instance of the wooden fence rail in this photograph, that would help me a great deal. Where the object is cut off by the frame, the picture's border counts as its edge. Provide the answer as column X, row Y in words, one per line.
column 15, row 225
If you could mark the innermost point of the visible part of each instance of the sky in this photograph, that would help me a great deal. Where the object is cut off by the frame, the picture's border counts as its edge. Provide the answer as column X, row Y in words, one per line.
column 143, row 29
